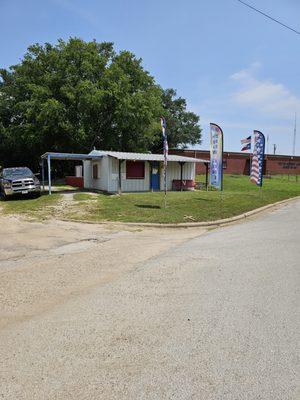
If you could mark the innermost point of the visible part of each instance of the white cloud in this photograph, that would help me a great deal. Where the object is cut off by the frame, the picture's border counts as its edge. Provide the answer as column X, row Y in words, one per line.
column 244, row 102
column 264, row 96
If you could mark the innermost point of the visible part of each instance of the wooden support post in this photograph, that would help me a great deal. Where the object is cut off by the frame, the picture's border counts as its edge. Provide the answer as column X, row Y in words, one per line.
column 49, row 172
column 120, row 177
column 150, row 175
column 181, row 174
column 43, row 174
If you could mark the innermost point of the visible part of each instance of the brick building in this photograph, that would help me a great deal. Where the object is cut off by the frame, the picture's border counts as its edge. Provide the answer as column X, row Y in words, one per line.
column 239, row 163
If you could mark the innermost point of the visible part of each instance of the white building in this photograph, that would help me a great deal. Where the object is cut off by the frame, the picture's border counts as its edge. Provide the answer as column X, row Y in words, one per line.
column 116, row 172
column 137, row 172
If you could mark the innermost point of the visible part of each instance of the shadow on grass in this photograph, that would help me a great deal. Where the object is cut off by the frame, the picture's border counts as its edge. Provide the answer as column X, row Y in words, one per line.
column 148, row 206
column 19, row 196
column 74, row 190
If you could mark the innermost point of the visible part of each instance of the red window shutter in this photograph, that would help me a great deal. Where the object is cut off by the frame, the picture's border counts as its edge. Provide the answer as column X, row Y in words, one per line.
column 135, row 170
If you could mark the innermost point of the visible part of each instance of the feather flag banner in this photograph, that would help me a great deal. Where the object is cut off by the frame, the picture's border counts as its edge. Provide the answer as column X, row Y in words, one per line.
column 216, row 156
column 257, row 165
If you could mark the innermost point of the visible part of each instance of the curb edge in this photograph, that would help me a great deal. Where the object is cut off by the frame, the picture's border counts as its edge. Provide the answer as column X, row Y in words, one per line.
column 204, row 224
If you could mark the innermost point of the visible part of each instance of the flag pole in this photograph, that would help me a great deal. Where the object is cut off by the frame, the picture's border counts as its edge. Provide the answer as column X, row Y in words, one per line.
column 165, row 146
column 165, row 184
column 222, row 187
column 295, row 134
column 221, row 198
column 262, row 173
column 165, row 199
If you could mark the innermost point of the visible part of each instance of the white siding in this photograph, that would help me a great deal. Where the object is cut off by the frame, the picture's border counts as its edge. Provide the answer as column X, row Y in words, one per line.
column 128, row 185
column 136, row 185
column 102, row 182
column 173, row 172
column 87, row 174
column 113, row 175
column 109, row 175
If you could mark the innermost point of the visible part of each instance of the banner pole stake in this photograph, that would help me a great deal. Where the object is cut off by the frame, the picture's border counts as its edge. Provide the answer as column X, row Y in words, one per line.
column 221, row 197
column 165, row 196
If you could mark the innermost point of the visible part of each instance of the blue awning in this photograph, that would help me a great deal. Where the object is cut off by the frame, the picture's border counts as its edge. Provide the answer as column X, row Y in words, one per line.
column 70, row 156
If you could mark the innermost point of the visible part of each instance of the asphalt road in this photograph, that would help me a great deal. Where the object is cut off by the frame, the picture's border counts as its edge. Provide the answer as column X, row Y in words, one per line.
column 215, row 317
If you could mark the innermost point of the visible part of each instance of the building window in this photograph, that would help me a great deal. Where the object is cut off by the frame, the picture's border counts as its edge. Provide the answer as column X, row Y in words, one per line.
column 224, row 164
column 95, row 171
column 135, row 170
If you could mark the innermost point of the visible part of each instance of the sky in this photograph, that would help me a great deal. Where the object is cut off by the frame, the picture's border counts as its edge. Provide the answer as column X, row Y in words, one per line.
column 233, row 66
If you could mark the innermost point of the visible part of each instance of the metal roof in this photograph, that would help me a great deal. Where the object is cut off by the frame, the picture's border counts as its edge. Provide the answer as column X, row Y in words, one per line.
column 143, row 156
column 71, row 156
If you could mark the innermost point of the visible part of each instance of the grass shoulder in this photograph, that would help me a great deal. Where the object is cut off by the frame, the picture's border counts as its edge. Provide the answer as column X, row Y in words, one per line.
column 239, row 196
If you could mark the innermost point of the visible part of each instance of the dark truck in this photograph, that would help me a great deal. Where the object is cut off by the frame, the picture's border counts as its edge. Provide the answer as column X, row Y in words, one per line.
column 19, row 180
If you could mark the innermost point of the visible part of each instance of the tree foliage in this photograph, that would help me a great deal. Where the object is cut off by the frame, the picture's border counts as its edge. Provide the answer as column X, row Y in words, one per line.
column 75, row 95
column 183, row 126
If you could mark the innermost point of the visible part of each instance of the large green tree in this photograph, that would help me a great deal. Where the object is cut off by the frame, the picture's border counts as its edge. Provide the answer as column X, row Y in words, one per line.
column 183, row 126
column 75, row 95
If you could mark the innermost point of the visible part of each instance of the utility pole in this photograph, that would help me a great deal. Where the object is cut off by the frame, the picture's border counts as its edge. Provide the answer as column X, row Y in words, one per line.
column 295, row 133
column 274, row 148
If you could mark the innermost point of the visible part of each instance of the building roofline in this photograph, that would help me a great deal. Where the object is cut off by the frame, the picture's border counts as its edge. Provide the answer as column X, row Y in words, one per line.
column 237, row 153
column 145, row 156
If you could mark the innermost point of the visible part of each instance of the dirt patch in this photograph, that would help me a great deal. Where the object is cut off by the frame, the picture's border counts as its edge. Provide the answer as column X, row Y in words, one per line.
column 43, row 264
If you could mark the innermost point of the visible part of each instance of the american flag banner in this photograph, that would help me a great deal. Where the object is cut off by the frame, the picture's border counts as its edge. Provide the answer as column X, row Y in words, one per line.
column 166, row 150
column 247, row 147
column 163, row 127
column 246, row 143
column 256, row 175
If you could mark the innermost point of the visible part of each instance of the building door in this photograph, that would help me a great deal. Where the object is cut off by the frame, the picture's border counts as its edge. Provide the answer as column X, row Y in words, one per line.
column 155, row 176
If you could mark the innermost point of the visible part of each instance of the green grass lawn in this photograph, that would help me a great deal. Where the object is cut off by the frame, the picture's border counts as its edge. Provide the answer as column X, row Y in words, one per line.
column 239, row 196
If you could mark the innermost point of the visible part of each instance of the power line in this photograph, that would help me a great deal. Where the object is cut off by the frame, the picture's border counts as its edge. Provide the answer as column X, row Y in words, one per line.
column 268, row 16
column 295, row 134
